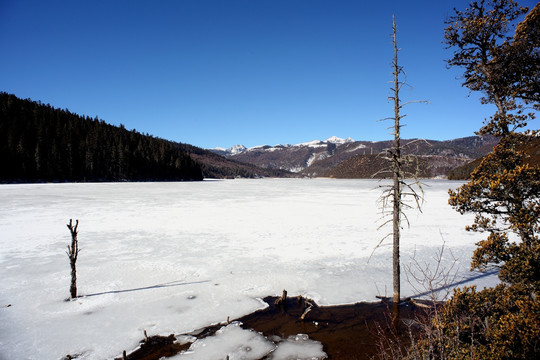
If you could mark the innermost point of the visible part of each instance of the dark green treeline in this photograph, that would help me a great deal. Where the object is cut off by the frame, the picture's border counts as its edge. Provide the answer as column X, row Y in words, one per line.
column 41, row 143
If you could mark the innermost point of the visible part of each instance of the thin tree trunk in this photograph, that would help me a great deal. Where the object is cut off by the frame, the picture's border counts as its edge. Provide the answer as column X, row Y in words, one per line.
column 73, row 287
column 396, row 162
column 73, row 252
column 496, row 97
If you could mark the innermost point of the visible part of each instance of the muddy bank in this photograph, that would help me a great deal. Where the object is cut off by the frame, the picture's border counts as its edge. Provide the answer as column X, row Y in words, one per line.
column 346, row 331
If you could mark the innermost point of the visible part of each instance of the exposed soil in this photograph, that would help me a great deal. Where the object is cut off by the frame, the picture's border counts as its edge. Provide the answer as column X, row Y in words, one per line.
column 346, row 332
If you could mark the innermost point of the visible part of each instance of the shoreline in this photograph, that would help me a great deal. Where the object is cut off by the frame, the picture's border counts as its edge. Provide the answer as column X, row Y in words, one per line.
column 345, row 331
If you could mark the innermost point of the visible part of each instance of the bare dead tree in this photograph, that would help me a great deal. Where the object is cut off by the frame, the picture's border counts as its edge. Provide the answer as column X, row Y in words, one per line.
column 435, row 280
column 394, row 194
column 395, row 156
column 73, row 252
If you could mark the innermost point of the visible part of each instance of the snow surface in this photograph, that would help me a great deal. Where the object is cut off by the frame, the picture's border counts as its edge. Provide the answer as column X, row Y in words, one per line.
column 331, row 140
column 245, row 344
column 298, row 347
column 311, row 159
column 295, row 169
column 236, row 149
column 238, row 343
column 174, row 257
column 361, row 146
column 337, row 140
column 258, row 148
column 313, row 144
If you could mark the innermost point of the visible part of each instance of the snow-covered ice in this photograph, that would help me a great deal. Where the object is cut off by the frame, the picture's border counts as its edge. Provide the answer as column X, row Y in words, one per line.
column 230, row 340
column 298, row 347
column 238, row 343
column 174, row 257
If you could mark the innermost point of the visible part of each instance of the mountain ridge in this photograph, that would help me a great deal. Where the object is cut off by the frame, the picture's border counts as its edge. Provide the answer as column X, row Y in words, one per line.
column 238, row 148
column 318, row 157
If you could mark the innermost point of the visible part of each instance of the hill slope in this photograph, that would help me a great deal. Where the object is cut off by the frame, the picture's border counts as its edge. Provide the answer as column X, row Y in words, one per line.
column 532, row 149
column 41, row 143
column 372, row 166
column 218, row 167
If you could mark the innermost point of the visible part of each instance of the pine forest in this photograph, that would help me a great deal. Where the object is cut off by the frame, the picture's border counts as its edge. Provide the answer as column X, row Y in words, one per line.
column 40, row 143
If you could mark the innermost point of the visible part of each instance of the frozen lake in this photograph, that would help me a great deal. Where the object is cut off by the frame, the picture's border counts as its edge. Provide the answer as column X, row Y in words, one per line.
column 173, row 257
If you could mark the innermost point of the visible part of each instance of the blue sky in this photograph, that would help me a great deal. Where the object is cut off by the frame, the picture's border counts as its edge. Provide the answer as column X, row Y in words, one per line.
column 218, row 73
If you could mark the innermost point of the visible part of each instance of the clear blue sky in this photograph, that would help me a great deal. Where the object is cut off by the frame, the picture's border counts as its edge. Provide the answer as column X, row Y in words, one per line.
column 223, row 72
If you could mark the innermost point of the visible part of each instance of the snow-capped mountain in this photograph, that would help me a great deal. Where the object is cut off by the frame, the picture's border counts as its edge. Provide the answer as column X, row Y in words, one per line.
column 336, row 140
column 237, row 149
column 318, row 157
column 294, row 158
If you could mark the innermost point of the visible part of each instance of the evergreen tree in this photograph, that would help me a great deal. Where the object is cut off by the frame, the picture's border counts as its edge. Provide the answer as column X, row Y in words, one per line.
column 503, row 192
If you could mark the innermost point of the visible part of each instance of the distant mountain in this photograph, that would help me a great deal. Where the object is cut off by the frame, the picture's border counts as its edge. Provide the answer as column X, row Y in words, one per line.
column 321, row 158
column 293, row 158
column 236, row 149
column 219, row 167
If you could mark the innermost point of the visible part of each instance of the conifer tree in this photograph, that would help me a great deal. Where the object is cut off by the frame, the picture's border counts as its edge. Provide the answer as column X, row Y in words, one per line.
column 504, row 191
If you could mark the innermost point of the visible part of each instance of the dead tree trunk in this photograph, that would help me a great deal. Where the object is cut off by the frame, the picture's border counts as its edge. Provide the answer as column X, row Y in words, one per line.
column 73, row 252
column 394, row 194
column 397, row 176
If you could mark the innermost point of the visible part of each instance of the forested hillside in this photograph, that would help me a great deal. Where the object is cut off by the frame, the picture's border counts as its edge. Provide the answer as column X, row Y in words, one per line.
column 219, row 167
column 374, row 166
column 41, row 143
column 530, row 148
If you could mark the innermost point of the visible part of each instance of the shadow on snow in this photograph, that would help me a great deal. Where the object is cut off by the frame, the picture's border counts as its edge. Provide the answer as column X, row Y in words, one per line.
column 465, row 280
column 158, row 286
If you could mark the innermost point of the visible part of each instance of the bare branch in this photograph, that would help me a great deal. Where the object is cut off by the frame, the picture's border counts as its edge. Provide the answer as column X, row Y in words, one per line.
column 378, row 245
column 415, row 102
